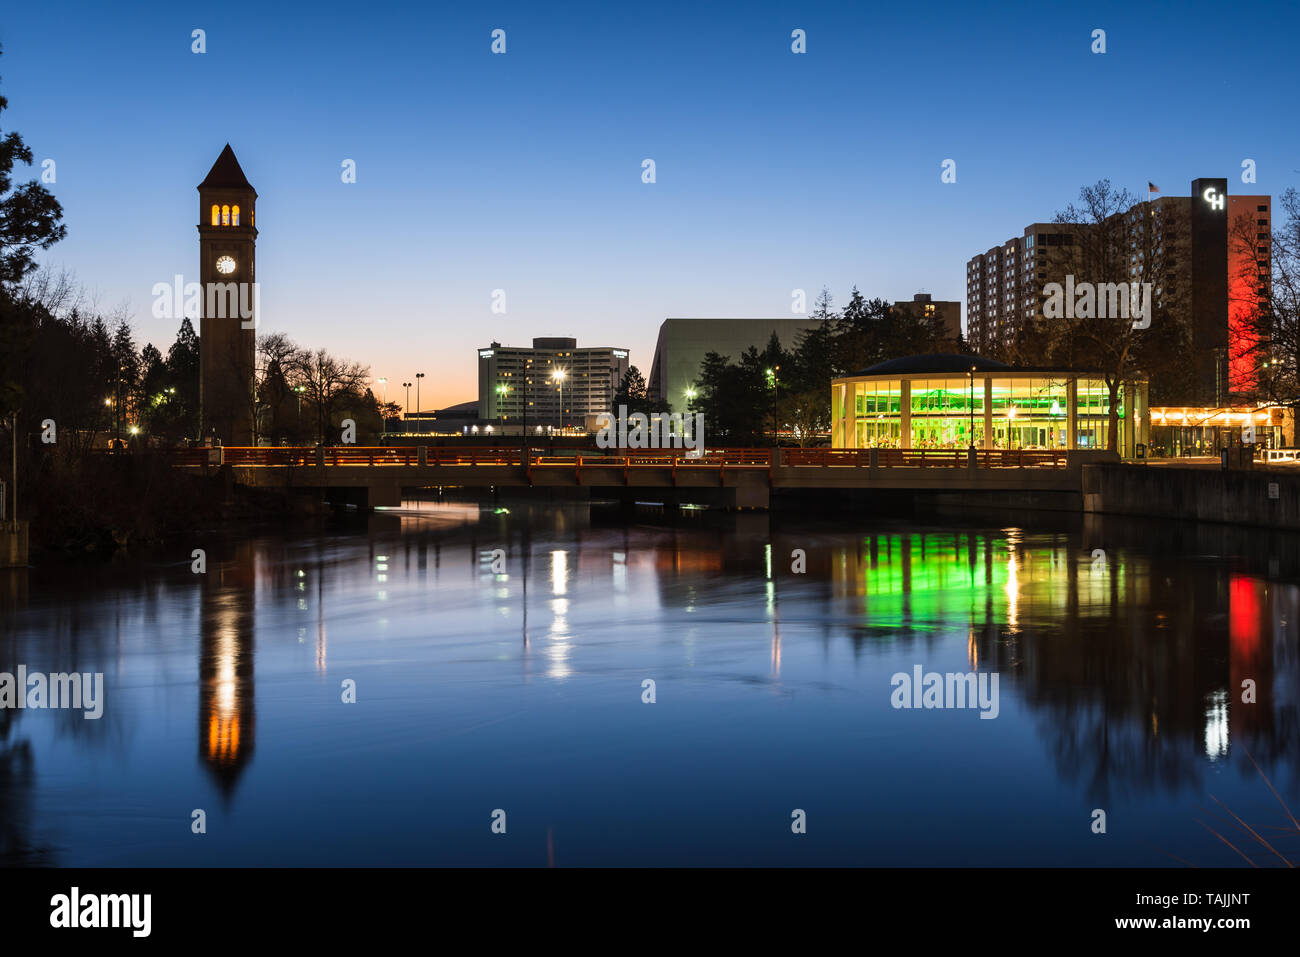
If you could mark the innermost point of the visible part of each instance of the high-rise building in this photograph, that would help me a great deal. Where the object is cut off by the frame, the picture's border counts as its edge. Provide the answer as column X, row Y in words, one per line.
column 1210, row 272
column 1004, row 285
column 552, row 383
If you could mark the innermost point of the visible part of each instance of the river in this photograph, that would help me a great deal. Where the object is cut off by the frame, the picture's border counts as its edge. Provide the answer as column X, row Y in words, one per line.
column 468, row 684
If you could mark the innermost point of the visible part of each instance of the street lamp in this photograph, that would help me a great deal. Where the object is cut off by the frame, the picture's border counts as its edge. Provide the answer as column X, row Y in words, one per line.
column 117, row 412
column 523, row 426
column 971, row 407
column 774, row 383
column 690, row 397
column 502, row 389
column 418, row 409
column 407, row 406
column 558, row 377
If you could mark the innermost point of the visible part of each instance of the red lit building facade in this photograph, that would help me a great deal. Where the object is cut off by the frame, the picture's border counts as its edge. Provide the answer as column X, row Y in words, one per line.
column 1222, row 263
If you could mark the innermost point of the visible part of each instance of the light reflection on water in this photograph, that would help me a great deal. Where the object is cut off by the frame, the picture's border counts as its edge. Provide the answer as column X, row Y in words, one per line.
column 479, row 688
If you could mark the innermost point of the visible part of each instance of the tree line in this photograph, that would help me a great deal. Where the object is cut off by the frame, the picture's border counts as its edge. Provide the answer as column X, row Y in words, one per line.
column 779, row 395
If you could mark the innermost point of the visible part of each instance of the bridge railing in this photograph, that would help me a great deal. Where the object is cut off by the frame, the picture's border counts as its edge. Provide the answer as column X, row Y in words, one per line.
column 923, row 458
column 451, row 456
column 657, row 458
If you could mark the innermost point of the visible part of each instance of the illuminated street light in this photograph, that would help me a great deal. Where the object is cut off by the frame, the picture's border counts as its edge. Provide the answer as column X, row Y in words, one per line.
column 502, row 390
column 558, row 377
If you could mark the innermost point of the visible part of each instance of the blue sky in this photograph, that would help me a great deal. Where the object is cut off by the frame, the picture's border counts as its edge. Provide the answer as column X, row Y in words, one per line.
column 522, row 171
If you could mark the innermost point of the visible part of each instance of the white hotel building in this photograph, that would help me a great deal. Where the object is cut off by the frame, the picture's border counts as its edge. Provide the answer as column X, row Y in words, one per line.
column 553, row 383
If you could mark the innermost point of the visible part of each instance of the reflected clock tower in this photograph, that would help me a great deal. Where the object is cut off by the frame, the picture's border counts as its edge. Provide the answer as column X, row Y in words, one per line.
column 227, row 327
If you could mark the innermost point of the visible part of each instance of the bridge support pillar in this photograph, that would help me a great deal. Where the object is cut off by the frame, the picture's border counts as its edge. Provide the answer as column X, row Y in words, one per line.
column 384, row 495
column 747, row 496
column 423, row 455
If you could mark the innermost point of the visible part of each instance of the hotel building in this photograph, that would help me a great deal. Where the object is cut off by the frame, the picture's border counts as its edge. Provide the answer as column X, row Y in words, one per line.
column 1215, row 278
column 554, row 383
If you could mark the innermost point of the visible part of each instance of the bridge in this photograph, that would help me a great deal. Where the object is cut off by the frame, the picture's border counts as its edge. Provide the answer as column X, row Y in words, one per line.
column 733, row 478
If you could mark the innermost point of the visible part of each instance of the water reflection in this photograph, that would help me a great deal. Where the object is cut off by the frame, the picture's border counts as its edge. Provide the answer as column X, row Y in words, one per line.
column 1123, row 681
column 227, row 716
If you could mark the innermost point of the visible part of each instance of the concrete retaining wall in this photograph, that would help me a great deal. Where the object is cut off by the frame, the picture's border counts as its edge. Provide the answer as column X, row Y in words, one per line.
column 1194, row 494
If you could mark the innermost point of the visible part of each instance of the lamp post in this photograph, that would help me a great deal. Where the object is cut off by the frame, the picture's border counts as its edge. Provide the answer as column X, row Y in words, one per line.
column 523, row 428
column 419, row 411
column 690, row 397
column 502, row 389
column 558, row 377
column 13, row 493
column 406, row 406
column 117, row 411
column 971, row 407
column 774, row 383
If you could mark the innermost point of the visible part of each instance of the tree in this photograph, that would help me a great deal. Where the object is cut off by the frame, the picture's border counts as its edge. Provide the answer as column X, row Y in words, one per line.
column 862, row 334
column 328, row 382
column 275, row 381
column 1115, row 241
column 126, row 370
column 633, row 394
column 56, row 370
column 30, row 219
column 179, row 415
column 153, row 386
column 806, row 403
column 909, row 331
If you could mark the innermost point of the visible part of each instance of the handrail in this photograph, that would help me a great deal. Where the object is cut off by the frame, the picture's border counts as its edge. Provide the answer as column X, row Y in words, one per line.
column 720, row 458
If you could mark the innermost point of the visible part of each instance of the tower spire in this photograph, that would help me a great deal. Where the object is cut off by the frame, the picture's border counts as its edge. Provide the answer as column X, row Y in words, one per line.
column 226, row 173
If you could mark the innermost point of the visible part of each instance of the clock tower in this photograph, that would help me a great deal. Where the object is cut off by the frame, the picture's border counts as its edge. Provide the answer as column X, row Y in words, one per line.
column 228, row 324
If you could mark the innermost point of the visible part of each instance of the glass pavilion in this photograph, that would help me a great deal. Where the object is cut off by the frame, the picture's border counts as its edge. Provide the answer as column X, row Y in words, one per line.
column 954, row 401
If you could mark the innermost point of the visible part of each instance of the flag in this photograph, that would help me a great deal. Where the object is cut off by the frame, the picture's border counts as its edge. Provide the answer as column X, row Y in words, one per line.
column 1152, row 187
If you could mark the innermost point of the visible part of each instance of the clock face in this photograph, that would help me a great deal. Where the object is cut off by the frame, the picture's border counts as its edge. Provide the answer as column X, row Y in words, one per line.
column 225, row 265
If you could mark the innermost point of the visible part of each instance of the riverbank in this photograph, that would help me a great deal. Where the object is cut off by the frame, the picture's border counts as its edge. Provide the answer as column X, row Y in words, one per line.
column 99, row 504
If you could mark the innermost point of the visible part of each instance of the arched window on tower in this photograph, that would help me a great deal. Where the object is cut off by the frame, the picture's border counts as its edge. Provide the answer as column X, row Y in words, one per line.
column 216, row 215
column 225, row 215
column 252, row 218
column 234, row 215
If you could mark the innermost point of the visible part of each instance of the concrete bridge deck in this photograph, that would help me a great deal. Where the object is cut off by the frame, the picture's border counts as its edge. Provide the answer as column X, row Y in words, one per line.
column 743, row 477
